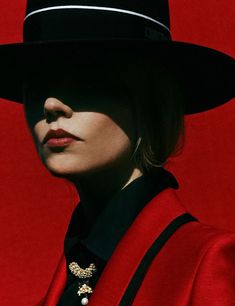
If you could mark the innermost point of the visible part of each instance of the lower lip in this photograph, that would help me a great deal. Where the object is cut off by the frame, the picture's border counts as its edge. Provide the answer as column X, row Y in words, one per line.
column 59, row 142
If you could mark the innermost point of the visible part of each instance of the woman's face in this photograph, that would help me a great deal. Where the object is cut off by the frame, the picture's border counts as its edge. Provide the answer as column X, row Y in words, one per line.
column 95, row 111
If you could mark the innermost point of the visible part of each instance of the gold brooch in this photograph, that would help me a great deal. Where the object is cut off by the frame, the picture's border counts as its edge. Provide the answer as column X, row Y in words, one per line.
column 82, row 273
column 83, row 289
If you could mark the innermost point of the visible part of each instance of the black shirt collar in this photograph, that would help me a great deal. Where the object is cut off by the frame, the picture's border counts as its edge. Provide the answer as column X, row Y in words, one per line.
column 117, row 216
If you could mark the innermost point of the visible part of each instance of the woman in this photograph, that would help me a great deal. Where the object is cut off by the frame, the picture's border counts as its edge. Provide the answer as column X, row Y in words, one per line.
column 106, row 113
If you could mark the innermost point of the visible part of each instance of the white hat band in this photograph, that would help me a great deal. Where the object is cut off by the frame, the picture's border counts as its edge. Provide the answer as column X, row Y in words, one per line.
column 100, row 8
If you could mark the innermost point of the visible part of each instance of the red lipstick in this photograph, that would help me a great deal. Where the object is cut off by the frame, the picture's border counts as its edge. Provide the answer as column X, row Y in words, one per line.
column 59, row 138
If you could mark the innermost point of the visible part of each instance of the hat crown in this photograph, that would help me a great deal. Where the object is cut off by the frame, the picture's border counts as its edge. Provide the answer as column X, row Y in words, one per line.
column 49, row 20
column 156, row 9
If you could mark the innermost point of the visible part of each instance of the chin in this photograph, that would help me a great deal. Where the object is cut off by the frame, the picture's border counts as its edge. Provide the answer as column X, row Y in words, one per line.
column 59, row 165
column 67, row 168
column 63, row 170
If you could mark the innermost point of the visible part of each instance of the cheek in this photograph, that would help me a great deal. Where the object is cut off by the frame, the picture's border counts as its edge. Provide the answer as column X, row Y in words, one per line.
column 108, row 140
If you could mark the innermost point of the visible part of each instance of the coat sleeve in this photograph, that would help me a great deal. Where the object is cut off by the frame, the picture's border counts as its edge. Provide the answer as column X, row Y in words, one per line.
column 214, row 284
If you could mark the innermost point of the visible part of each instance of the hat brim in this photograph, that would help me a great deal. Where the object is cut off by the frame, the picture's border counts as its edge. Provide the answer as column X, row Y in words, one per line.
column 206, row 75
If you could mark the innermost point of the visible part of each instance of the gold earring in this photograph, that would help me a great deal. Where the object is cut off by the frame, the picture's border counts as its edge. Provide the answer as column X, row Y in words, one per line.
column 136, row 147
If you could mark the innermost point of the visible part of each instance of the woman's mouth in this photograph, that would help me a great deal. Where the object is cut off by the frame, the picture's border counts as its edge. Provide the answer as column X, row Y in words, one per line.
column 59, row 142
column 59, row 138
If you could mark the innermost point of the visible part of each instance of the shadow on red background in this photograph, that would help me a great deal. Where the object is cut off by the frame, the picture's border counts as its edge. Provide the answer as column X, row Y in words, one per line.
column 36, row 207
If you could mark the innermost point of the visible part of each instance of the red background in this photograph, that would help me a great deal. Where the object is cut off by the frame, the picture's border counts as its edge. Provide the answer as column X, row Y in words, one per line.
column 36, row 207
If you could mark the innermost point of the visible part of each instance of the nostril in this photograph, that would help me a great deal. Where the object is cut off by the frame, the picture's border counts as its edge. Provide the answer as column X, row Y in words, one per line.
column 54, row 112
column 53, row 115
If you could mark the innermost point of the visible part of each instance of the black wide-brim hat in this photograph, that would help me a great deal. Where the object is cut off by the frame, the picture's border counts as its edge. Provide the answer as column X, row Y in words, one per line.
column 58, row 31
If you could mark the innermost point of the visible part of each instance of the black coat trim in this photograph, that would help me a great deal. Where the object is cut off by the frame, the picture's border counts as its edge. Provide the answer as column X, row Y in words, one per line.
column 143, row 267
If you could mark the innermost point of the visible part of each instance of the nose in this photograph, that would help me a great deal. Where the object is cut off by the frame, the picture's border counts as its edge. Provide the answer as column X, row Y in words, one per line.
column 54, row 108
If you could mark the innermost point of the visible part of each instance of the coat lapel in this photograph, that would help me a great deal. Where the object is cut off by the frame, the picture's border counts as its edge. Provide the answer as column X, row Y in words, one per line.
column 148, row 225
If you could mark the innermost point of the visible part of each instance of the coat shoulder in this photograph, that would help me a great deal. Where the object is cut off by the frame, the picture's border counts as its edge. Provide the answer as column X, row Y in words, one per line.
column 214, row 278
column 196, row 267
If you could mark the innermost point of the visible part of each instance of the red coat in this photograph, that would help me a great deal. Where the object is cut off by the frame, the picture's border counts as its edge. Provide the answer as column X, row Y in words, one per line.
column 196, row 267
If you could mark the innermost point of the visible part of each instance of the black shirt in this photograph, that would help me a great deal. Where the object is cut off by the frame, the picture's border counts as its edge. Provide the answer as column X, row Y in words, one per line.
column 96, row 245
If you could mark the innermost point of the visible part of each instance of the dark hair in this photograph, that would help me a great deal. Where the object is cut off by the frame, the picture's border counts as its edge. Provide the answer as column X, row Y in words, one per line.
column 159, row 114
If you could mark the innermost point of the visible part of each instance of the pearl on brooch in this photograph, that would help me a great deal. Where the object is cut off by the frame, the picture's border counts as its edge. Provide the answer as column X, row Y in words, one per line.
column 84, row 301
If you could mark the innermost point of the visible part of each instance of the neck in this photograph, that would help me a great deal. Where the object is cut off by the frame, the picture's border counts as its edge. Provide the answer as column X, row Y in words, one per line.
column 96, row 190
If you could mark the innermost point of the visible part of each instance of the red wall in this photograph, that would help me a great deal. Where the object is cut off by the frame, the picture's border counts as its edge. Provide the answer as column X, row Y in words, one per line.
column 35, row 207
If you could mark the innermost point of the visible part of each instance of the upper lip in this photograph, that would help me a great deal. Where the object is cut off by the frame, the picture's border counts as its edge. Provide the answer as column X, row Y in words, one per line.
column 60, row 133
